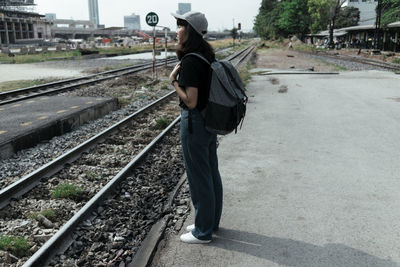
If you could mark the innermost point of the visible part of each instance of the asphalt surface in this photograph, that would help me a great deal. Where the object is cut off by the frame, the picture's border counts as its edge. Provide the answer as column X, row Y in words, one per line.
column 312, row 179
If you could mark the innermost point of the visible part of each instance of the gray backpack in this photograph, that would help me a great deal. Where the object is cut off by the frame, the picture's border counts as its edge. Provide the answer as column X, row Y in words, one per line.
column 227, row 101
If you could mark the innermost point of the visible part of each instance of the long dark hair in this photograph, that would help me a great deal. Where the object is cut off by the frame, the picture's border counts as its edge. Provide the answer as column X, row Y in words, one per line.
column 194, row 43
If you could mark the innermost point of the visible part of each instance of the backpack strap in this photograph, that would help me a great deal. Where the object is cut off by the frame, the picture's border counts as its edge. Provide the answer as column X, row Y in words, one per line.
column 199, row 56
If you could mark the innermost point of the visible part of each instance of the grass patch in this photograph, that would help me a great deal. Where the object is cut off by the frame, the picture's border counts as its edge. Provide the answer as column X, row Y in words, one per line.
column 48, row 213
column 245, row 74
column 123, row 101
column 107, row 68
column 46, row 56
column 66, row 191
column 18, row 246
column 12, row 85
column 162, row 123
column 396, row 60
column 93, row 175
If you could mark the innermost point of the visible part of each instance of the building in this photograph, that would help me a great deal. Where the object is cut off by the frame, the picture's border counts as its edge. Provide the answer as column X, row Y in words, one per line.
column 50, row 16
column 184, row 8
column 94, row 12
column 132, row 22
column 367, row 10
column 17, row 26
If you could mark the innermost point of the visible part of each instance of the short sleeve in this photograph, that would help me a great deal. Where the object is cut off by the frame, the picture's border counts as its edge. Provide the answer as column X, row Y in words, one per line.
column 190, row 73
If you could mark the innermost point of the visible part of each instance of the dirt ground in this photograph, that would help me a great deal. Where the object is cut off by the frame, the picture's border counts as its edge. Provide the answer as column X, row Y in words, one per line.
column 290, row 59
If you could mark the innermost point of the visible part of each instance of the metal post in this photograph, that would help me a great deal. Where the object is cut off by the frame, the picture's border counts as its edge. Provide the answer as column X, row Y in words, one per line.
column 166, row 47
column 13, row 32
column 154, row 52
column 27, row 30
column 21, row 34
column 6, row 29
column 377, row 25
column 396, row 38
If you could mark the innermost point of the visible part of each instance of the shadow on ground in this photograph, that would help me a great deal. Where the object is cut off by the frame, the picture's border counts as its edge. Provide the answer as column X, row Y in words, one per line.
column 290, row 252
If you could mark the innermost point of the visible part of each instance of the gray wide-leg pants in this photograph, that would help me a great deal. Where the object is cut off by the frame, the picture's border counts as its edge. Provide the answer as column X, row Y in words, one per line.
column 201, row 164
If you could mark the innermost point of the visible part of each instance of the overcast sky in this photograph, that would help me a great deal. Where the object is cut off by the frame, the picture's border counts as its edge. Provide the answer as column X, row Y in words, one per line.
column 219, row 13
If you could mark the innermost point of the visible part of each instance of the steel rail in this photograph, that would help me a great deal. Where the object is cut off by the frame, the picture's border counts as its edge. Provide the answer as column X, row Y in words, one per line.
column 53, row 245
column 26, row 183
column 245, row 54
column 366, row 61
column 129, row 70
column 62, row 239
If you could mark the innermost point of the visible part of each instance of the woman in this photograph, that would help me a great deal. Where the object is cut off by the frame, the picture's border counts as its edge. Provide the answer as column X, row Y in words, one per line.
column 198, row 145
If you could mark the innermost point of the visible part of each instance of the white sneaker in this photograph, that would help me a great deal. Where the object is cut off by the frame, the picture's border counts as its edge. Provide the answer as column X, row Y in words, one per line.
column 189, row 228
column 190, row 239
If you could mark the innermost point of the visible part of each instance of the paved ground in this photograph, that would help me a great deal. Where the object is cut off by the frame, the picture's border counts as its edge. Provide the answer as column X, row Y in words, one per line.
column 311, row 179
column 25, row 123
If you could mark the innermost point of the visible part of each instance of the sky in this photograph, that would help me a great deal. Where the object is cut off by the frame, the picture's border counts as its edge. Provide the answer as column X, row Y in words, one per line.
column 220, row 13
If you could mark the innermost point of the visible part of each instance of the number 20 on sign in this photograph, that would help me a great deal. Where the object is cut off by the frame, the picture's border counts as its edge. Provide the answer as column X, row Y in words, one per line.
column 152, row 19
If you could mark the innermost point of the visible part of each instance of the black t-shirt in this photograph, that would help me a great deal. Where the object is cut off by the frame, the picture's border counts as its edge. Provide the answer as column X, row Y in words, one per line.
column 194, row 72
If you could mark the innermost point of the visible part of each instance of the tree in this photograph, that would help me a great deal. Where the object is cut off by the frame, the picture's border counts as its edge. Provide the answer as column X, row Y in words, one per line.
column 390, row 11
column 234, row 33
column 334, row 9
column 265, row 23
column 319, row 13
column 295, row 17
column 348, row 16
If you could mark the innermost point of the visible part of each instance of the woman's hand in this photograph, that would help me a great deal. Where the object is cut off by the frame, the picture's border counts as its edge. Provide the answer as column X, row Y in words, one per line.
column 174, row 73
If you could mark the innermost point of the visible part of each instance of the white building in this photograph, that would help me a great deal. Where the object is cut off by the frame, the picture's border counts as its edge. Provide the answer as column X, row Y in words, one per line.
column 132, row 22
column 184, row 8
column 367, row 10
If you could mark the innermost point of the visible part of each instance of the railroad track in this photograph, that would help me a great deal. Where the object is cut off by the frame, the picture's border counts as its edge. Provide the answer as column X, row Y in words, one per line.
column 70, row 84
column 100, row 188
column 358, row 59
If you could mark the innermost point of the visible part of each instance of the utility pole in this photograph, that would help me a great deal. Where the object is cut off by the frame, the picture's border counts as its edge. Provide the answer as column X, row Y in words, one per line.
column 378, row 26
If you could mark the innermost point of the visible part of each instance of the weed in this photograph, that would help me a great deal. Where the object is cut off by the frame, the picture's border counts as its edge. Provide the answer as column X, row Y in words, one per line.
column 165, row 86
column 16, row 245
column 123, row 101
column 123, row 151
column 162, row 123
column 245, row 74
column 48, row 213
column 12, row 85
column 396, row 60
column 66, row 191
column 93, row 175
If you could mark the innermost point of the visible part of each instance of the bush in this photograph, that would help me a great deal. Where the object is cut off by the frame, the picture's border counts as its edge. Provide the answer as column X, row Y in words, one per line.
column 162, row 123
column 66, row 191
column 16, row 245
column 48, row 213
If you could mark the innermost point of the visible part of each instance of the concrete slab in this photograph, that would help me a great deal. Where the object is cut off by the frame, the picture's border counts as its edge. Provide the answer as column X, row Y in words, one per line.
column 311, row 179
column 25, row 123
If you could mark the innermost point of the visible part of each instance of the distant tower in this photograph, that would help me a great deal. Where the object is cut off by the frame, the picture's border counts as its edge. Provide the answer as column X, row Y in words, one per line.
column 184, row 8
column 132, row 22
column 94, row 12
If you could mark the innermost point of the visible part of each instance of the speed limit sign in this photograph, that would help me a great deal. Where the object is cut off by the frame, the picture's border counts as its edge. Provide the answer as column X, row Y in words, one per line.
column 152, row 19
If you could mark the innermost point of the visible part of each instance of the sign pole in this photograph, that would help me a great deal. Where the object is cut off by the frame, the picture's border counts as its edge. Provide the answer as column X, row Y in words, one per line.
column 154, row 52
column 166, row 47
column 152, row 20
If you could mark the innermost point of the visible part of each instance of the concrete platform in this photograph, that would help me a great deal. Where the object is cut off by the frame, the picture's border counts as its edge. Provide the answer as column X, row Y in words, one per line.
column 311, row 180
column 24, row 124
